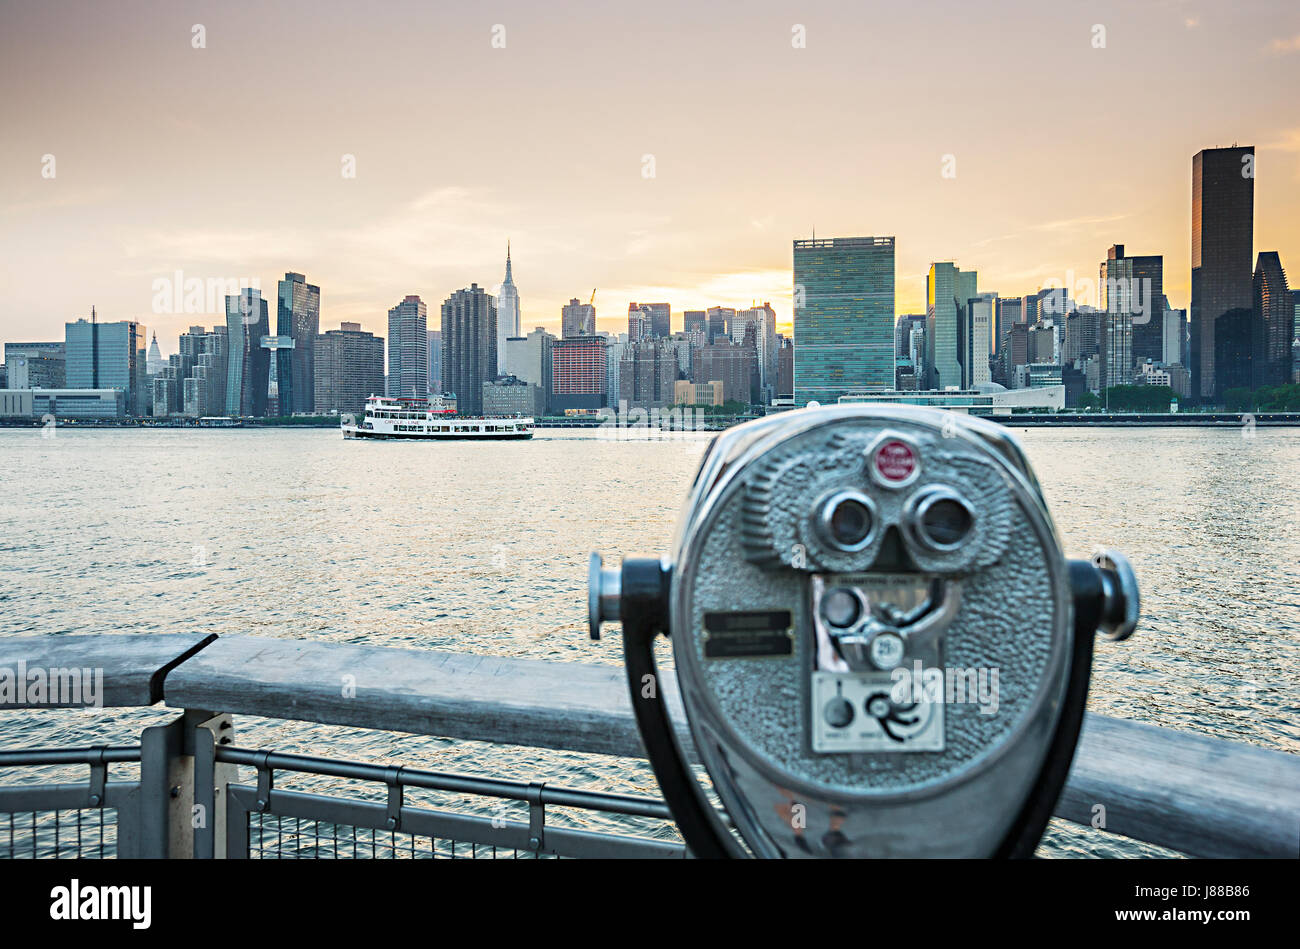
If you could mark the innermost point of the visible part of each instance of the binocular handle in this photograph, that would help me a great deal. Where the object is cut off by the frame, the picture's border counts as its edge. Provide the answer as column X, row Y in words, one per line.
column 1108, row 578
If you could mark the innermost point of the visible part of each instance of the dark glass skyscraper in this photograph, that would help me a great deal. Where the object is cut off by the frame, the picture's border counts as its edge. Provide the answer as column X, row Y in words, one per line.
column 469, row 346
column 1275, row 313
column 297, row 316
column 1223, row 214
column 843, row 317
column 248, row 364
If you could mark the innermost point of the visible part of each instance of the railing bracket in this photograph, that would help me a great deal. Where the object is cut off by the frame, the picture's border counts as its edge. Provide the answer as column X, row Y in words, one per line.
column 536, row 816
column 393, row 778
column 265, row 781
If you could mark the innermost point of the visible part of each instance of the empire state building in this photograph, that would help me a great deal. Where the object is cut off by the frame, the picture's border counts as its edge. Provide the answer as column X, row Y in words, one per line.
column 507, row 312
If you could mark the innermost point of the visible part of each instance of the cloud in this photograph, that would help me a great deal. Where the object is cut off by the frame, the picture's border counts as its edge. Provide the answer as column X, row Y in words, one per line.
column 1284, row 46
column 1077, row 222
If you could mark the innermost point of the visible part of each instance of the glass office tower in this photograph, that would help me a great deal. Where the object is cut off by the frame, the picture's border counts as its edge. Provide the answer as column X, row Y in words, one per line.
column 297, row 316
column 248, row 364
column 107, row 356
column 1223, row 214
column 843, row 317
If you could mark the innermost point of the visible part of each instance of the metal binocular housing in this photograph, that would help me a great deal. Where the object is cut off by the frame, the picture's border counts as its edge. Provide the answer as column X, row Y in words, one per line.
column 880, row 647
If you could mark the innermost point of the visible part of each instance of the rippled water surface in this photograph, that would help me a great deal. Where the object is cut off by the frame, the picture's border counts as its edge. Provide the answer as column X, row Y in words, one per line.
column 482, row 548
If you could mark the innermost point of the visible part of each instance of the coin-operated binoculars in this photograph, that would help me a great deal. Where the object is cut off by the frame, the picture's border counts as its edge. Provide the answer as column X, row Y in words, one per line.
column 880, row 647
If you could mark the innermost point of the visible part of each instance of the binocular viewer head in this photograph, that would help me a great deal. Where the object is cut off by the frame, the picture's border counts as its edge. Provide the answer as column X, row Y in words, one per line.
column 880, row 646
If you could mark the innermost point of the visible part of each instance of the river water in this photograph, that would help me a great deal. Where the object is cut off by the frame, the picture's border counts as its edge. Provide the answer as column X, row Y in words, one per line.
column 483, row 548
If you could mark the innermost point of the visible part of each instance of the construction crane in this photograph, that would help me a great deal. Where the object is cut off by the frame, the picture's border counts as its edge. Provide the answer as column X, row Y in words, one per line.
column 593, row 297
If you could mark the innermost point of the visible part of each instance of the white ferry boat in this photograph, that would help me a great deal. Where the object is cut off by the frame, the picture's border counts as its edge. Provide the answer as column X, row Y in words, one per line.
column 429, row 419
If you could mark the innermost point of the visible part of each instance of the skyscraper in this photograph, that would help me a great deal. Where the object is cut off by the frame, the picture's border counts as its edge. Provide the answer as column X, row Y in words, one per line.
column 154, row 362
column 349, row 369
column 1132, row 291
column 843, row 317
column 247, row 363
column 435, row 360
column 947, row 290
column 203, row 391
column 762, row 319
column 408, row 349
column 469, row 346
column 1223, row 214
column 579, row 366
column 529, row 358
column 507, row 311
column 977, row 339
column 109, row 356
column 297, row 316
column 1275, row 315
column 577, row 319
column 648, row 319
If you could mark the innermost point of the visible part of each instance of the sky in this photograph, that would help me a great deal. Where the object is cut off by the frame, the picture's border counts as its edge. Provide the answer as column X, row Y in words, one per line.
column 652, row 152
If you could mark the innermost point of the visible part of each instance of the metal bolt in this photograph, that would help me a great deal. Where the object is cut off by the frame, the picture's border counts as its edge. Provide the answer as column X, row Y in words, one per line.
column 176, row 790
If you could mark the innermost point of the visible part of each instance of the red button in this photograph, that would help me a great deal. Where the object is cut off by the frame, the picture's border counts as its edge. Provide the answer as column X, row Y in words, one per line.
column 895, row 461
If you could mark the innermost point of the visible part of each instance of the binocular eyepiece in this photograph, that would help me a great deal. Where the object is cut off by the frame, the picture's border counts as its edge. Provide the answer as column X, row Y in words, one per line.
column 880, row 647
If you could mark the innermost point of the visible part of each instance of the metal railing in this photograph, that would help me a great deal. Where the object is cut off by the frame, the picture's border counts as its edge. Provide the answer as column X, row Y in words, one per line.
column 101, row 819
column 185, row 795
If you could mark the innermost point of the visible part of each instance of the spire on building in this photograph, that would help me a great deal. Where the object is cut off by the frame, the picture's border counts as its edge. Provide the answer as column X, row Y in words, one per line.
column 509, row 279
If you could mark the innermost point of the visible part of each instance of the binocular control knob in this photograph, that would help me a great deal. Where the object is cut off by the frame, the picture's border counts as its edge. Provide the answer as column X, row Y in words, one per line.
column 603, row 593
column 1120, row 602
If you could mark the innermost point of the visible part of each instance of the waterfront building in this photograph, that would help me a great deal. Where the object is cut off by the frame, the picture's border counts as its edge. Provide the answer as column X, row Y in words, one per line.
column 469, row 346
column 248, row 364
column 686, row 392
column 1274, row 308
column 298, row 318
column 349, row 368
column 509, row 395
column 108, row 356
column 843, row 316
column 948, row 290
column 35, row 366
column 579, row 368
column 1223, row 210
column 84, row 403
column 577, row 319
column 988, row 399
column 507, row 303
column 408, row 349
column 203, row 389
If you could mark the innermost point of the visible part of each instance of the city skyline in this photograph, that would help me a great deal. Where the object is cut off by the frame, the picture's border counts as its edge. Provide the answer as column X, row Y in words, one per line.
column 139, row 193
